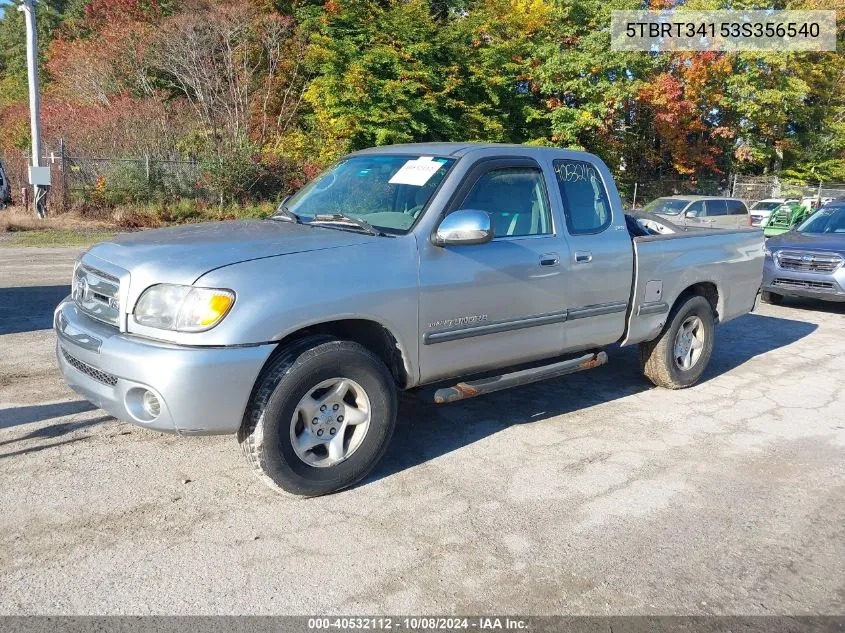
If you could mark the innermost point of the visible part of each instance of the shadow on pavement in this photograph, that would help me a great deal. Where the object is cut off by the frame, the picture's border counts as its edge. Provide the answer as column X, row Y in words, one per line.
column 426, row 431
column 814, row 305
column 41, row 447
column 15, row 416
column 29, row 308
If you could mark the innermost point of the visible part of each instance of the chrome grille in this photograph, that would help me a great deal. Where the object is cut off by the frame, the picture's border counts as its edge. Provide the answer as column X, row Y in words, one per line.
column 97, row 293
column 88, row 370
column 808, row 262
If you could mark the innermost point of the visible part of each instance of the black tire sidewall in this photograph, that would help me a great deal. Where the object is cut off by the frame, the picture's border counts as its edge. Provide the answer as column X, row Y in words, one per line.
column 694, row 306
column 331, row 360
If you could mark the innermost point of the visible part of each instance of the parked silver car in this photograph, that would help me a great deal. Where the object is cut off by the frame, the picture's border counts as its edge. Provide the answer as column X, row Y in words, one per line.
column 808, row 261
column 708, row 212
column 398, row 267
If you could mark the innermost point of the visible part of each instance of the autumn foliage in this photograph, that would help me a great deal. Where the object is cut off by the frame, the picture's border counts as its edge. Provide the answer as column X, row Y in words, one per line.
column 263, row 93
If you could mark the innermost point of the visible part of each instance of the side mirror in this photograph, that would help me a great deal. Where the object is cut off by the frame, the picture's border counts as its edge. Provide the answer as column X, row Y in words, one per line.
column 692, row 213
column 464, row 227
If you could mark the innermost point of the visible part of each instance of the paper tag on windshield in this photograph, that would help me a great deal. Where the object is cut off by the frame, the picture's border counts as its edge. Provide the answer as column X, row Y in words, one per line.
column 416, row 172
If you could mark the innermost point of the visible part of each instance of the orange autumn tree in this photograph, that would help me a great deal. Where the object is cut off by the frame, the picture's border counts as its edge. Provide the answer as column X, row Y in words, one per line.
column 689, row 111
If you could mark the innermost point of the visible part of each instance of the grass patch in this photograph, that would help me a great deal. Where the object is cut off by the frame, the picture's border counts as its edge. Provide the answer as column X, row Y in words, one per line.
column 54, row 238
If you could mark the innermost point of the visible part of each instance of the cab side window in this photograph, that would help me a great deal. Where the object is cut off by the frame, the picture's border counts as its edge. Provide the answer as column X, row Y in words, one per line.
column 515, row 198
column 585, row 202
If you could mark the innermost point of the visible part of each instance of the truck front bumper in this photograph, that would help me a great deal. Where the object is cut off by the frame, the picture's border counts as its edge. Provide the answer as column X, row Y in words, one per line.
column 793, row 283
column 198, row 390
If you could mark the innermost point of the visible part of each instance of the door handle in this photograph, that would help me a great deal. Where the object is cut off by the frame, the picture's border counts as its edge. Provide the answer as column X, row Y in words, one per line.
column 583, row 257
column 549, row 259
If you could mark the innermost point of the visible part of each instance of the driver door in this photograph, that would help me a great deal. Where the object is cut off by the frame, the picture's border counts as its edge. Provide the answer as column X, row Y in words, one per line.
column 501, row 303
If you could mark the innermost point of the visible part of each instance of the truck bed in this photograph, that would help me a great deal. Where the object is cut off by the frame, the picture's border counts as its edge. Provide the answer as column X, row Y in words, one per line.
column 666, row 265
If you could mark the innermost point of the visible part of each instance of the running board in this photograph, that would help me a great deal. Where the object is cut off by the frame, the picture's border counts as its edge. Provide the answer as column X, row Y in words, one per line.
column 518, row 378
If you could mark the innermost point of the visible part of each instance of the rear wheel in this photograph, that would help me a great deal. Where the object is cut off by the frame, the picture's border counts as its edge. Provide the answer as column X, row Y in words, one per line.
column 677, row 358
column 771, row 298
column 321, row 417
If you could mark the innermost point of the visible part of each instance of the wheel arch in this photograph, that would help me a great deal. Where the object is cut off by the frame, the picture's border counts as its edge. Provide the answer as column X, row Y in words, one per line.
column 369, row 333
column 707, row 289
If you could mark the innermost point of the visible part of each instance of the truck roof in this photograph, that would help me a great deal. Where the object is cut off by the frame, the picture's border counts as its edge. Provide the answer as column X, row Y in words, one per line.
column 460, row 149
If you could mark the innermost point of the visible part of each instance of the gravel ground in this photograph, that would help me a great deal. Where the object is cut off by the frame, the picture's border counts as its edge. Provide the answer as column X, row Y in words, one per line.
column 593, row 494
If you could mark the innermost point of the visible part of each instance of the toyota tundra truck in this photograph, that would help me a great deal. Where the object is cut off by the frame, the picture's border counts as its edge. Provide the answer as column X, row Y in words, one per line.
column 452, row 270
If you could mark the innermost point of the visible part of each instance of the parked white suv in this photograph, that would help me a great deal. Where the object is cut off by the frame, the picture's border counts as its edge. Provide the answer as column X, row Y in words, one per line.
column 762, row 209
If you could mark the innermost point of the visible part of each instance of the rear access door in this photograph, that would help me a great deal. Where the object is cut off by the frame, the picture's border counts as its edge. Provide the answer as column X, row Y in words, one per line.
column 599, row 272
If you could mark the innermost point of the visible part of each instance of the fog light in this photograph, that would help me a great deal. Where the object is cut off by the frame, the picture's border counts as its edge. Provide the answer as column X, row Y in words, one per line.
column 152, row 407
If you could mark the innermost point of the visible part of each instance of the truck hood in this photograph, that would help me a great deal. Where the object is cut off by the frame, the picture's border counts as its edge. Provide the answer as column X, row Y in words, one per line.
column 183, row 254
column 833, row 242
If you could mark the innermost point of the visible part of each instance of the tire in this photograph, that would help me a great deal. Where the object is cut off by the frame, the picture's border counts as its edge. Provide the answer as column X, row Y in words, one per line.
column 272, row 439
column 772, row 298
column 657, row 358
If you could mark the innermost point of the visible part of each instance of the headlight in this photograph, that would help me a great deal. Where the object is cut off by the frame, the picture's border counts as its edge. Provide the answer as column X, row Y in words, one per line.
column 767, row 251
column 74, row 281
column 183, row 308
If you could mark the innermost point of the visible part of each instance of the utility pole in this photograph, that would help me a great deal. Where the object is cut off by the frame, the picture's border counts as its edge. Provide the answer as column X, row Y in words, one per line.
column 39, row 177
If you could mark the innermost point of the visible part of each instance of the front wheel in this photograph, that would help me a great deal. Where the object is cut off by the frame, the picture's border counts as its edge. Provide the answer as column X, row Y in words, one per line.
column 677, row 358
column 321, row 417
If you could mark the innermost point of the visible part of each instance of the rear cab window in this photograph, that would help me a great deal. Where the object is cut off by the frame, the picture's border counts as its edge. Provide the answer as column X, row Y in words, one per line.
column 586, row 206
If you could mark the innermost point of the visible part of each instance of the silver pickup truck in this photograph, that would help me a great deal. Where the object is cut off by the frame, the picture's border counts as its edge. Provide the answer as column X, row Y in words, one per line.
column 469, row 268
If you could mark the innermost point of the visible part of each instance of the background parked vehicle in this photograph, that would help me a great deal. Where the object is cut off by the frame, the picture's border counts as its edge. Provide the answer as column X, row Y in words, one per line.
column 762, row 209
column 808, row 261
column 5, row 188
column 784, row 218
column 706, row 212
column 399, row 267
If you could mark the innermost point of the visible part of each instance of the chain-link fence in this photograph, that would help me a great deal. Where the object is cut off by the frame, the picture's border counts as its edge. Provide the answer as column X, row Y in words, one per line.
column 747, row 188
column 90, row 180
column 752, row 188
column 639, row 193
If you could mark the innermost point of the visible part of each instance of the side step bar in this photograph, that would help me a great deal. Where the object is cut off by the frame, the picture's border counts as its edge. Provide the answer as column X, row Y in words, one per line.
column 515, row 379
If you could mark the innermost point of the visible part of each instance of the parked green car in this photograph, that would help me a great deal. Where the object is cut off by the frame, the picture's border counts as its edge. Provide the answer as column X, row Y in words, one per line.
column 784, row 218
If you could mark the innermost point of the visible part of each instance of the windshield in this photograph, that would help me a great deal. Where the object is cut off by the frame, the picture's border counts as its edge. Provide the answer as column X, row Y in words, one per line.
column 827, row 220
column 389, row 191
column 763, row 205
column 666, row 206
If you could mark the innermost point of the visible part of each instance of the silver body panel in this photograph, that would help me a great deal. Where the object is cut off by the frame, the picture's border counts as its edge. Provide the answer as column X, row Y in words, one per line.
column 452, row 310
column 805, row 265
column 203, row 390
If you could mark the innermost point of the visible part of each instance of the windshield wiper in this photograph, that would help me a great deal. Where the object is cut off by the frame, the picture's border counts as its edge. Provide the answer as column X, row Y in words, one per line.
column 285, row 215
column 348, row 220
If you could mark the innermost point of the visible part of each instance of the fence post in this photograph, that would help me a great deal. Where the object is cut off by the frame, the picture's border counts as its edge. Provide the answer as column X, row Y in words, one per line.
column 63, row 166
column 634, row 203
column 147, row 163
